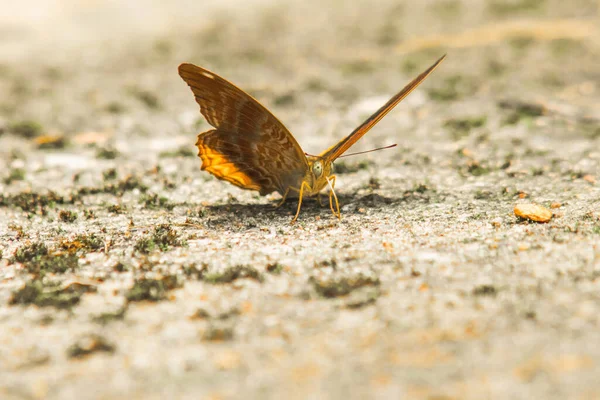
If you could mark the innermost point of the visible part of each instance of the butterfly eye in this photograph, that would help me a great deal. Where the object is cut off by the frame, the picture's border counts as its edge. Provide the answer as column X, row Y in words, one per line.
column 317, row 169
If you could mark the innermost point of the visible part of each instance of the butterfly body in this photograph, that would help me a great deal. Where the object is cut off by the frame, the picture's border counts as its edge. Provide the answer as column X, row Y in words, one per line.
column 315, row 179
column 250, row 148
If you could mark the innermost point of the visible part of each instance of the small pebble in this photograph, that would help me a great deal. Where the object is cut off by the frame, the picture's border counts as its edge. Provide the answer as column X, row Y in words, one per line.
column 497, row 222
column 533, row 212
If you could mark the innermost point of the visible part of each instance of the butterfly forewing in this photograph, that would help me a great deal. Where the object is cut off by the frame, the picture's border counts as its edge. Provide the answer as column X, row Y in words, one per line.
column 249, row 147
column 338, row 149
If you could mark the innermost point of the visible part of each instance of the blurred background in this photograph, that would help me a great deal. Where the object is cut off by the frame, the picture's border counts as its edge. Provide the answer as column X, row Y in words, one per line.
column 76, row 66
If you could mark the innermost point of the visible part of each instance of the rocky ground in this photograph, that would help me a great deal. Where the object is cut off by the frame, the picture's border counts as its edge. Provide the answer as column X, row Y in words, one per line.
column 126, row 272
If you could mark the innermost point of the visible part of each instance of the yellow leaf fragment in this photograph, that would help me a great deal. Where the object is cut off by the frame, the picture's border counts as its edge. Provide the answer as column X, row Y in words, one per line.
column 533, row 212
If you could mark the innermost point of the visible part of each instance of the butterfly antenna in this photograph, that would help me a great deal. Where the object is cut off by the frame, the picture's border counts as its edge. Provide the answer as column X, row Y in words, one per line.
column 369, row 151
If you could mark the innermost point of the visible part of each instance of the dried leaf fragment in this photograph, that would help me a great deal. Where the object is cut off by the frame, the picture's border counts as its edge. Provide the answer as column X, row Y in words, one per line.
column 590, row 179
column 533, row 212
column 50, row 141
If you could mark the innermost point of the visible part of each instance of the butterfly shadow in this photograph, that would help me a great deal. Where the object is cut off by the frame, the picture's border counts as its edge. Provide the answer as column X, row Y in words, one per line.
column 310, row 207
column 350, row 204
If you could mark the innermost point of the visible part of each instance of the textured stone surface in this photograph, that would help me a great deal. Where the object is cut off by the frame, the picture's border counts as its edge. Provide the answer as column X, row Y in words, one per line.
column 129, row 273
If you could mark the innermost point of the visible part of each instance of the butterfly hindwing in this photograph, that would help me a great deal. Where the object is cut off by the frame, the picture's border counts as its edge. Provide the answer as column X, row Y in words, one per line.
column 249, row 146
column 233, row 162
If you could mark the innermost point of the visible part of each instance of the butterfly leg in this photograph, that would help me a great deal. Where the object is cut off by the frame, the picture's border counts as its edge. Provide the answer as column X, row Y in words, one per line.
column 287, row 191
column 300, row 200
column 332, row 195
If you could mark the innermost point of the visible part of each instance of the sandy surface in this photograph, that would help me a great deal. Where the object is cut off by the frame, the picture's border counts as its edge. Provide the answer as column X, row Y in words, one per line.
column 126, row 272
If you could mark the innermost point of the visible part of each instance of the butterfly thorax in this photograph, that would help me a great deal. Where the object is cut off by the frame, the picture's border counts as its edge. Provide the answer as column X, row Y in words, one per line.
column 316, row 177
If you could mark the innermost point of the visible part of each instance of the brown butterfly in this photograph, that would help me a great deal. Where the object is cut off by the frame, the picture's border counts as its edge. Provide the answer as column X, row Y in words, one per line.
column 252, row 149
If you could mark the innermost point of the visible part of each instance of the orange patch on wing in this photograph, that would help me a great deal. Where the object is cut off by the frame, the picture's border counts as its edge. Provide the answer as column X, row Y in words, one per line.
column 220, row 166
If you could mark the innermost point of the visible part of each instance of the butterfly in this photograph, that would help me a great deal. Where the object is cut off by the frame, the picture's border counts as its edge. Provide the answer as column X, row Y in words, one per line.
column 250, row 148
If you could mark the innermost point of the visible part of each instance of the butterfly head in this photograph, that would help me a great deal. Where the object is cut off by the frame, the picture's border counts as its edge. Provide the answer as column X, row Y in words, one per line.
column 319, row 170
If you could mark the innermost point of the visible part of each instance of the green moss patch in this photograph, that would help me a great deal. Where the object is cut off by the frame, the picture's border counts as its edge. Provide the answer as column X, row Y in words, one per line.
column 118, row 188
column 82, row 243
column 163, row 238
column 504, row 7
column 183, row 151
column 30, row 251
column 35, row 203
column 52, row 264
column 485, row 290
column 115, row 108
column 89, row 344
column 342, row 167
column 362, row 297
column 460, row 127
column 153, row 201
column 148, row 98
column 218, row 332
column 27, row 129
column 39, row 260
column 49, row 294
column 520, row 110
column 116, row 209
column 230, row 274
column 146, row 289
column 111, row 316
column 195, row 271
column 453, row 88
column 274, row 268
column 342, row 285
column 107, row 153
column 15, row 174
column 67, row 216
column 109, row 174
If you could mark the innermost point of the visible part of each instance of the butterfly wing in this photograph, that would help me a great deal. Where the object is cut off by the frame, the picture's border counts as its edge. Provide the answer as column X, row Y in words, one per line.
column 338, row 149
column 249, row 147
